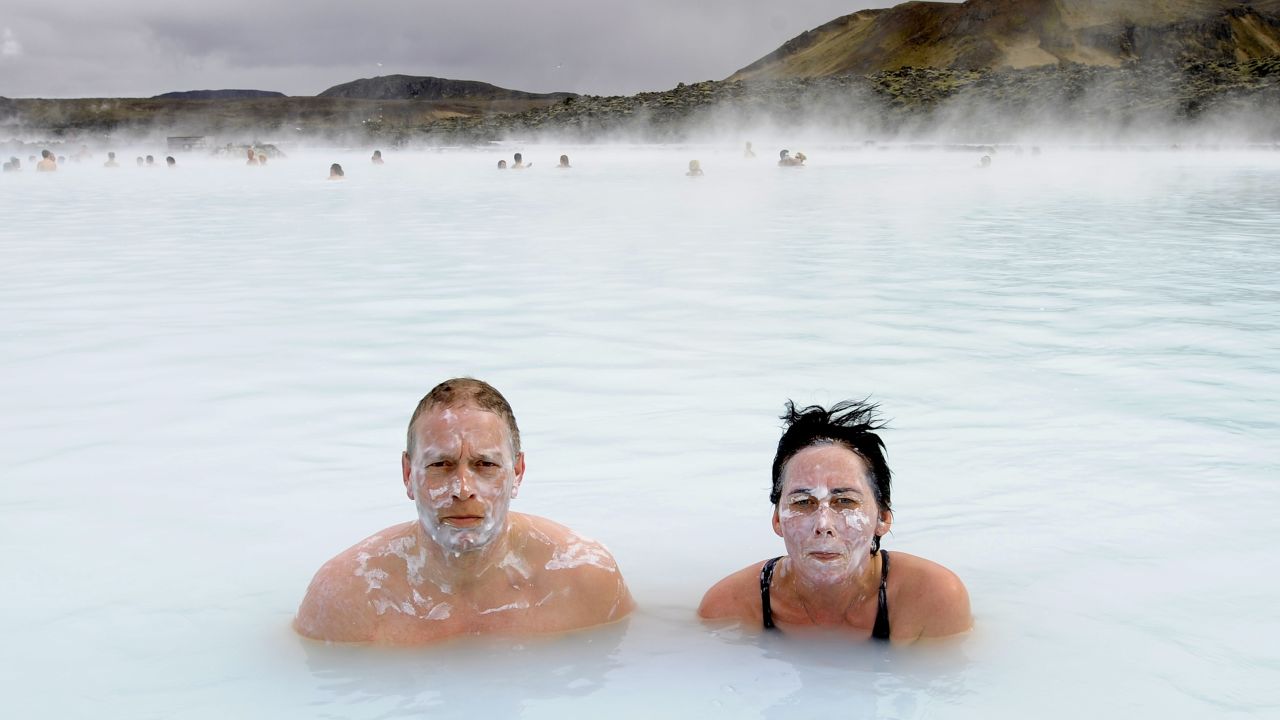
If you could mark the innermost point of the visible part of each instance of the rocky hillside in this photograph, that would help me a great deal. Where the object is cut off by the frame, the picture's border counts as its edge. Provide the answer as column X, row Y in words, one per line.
column 1232, row 101
column 409, row 87
column 218, row 95
column 1013, row 34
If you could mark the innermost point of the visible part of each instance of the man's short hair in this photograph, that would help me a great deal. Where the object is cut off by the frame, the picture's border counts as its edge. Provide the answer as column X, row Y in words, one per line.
column 848, row 424
column 459, row 392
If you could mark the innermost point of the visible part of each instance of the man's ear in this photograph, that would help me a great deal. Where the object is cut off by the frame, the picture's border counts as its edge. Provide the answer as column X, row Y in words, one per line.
column 519, row 469
column 777, row 523
column 406, row 469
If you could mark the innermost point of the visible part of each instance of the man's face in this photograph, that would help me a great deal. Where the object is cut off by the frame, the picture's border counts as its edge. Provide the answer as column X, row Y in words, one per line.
column 827, row 514
column 462, row 476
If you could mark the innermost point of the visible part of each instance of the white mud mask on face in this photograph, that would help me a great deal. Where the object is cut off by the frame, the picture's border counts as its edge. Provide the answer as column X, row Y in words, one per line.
column 462, row 477
column 827, row 516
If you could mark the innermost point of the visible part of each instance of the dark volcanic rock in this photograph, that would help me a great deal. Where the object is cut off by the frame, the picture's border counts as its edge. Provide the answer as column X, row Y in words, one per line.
column 218, row 95
column 409, row 87
column 983, row 105
column 1009, row 34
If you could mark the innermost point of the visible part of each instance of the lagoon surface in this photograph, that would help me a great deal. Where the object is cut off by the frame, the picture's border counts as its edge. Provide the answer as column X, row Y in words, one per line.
column 206, row 375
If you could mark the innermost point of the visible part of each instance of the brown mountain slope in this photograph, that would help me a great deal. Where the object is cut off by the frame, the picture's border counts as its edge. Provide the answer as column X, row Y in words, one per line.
column 982, row 34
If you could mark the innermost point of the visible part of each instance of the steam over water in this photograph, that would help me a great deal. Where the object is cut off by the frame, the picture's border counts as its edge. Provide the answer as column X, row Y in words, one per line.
column 206, row 375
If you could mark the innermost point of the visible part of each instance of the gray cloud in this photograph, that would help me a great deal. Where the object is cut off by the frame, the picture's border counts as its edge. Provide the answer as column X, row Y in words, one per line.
column 90, row 48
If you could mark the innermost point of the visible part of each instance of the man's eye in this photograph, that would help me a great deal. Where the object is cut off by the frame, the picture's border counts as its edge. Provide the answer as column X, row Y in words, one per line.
column 439, row 464
column 802, row 501
column 846, row 501
column 488, row 463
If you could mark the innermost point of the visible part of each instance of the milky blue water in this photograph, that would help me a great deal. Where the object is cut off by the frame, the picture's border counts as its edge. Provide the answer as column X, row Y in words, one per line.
column 206, row 374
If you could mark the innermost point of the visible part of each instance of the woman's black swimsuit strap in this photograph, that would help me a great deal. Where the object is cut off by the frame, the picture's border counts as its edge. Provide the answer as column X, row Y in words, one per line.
column 881, row 629
column 766, row 577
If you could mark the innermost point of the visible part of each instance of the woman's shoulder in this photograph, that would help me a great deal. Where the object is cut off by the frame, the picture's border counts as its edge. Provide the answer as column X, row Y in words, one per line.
column 926, row 599
column 736, row 596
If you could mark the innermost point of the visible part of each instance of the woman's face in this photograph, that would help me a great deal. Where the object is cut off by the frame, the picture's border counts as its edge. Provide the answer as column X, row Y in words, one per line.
column 827, row 514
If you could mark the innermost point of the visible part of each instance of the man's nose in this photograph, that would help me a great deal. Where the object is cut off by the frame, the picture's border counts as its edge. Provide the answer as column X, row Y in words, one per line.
column 464, row 486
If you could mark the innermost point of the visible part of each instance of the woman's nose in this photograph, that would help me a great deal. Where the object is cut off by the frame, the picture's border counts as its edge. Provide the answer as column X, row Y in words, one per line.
column 826, row 521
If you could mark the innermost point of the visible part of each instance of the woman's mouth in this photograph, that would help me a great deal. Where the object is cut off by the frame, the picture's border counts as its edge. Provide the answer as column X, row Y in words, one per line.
column 825, row 555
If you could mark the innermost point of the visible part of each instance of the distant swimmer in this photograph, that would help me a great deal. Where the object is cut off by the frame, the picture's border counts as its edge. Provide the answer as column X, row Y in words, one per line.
column 170, row 162
column 62, row 159
column 695, row 169
column 253, row 158
column 8, row 166
column 111, row 161
column 262, row 159
column 14, row 165
column 466, row 565
column 335, row 172
column 377, row 157
column 785, row 159
column 502, row 164
column 564, row 161
column 985, row 162
column 141, row 162
column 47, row 163
column 748, row 152
column 151, row 161
column 518, row 162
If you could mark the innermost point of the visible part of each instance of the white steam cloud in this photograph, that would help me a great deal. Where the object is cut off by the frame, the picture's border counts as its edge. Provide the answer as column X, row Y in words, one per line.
column 9, row 45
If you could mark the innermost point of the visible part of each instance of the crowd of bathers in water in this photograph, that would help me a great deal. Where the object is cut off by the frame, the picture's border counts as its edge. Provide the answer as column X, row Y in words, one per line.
column 48, row 162
column 468, row 565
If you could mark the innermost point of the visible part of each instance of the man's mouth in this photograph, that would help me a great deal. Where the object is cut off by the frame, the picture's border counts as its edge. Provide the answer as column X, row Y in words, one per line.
column 462, row 521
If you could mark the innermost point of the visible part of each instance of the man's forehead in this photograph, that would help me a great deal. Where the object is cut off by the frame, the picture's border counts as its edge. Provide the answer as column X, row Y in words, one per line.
column 459, row 420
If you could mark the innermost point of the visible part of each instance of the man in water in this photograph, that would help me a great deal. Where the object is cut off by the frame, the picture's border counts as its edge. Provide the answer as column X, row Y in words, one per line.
column 47, row 163
column 111, row 161
column 518, row 162
column 377, row 157
column 466, row 565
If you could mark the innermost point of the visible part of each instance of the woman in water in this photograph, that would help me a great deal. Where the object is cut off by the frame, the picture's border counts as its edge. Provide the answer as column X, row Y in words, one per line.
column 335, row 172
column 831, row 507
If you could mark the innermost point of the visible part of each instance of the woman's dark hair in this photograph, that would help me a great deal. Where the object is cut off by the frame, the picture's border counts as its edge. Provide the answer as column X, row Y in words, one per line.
column 847, row 423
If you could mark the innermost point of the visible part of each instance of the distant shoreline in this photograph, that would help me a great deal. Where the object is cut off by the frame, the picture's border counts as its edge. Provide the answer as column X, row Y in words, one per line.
column 1232, row 102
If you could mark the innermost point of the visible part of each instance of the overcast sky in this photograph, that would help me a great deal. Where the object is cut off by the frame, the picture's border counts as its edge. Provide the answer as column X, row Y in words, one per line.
column 139, row 48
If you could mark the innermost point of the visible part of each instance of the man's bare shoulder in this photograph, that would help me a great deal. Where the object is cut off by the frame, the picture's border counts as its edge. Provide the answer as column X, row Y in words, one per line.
column 934, row 601
column 337, row 605
column 735, row 597
column 577, row 564
column 560, row 548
